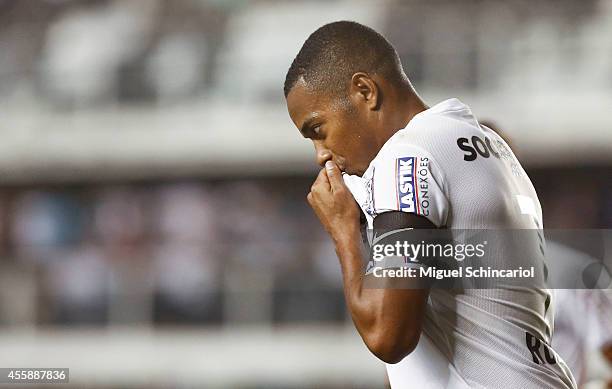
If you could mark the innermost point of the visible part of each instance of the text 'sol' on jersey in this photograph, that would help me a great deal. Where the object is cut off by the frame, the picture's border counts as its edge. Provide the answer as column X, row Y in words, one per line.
column 458, row 174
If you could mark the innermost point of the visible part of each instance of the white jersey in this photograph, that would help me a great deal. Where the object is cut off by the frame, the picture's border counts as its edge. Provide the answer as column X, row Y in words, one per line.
column 459, row 175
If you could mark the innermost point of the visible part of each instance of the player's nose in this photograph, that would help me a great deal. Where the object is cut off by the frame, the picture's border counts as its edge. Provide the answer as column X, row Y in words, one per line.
column 323, row 153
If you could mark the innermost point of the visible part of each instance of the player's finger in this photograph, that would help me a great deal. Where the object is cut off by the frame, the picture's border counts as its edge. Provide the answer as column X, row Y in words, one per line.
column 334, row 176
column 309, row 198
column 322, row 181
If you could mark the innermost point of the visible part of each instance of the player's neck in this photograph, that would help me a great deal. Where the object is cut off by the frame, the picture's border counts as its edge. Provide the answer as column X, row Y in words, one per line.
column 409, row 105
column 406, row 105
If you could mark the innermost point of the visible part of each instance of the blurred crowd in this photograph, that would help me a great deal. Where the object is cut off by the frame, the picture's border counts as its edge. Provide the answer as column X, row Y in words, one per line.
column 204, row 251
column 183, row 253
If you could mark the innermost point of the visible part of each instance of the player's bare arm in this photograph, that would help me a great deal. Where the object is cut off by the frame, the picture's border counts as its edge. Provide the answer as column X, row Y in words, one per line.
column 390, row 333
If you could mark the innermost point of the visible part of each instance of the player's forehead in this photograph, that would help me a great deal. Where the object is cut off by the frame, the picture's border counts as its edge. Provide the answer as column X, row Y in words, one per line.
column 304, row 103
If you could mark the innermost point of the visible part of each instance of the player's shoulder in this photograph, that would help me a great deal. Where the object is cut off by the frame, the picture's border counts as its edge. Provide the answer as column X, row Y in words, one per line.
column 430, row 133
column 440, row 122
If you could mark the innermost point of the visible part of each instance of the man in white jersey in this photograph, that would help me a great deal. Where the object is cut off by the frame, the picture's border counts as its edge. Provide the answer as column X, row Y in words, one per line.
column 388, row 158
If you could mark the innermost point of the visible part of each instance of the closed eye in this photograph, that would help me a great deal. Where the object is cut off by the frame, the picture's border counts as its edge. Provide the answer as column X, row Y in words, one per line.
column 313, row 132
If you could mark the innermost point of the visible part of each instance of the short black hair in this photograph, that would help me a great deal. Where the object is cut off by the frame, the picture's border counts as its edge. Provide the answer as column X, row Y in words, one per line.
column 334, row 52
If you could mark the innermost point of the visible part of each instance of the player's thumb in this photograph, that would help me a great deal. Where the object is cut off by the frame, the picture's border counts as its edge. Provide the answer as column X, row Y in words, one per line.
column 333, row 175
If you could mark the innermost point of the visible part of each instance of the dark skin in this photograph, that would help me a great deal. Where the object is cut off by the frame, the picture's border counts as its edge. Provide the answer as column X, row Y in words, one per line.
column 347, row 134
column 606, row 350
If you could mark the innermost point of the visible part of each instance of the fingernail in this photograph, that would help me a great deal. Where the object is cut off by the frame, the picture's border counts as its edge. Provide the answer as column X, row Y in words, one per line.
column 329, row 165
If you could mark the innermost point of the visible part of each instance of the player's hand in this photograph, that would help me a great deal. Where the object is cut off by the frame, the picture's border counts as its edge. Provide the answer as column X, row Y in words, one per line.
column 333, row 203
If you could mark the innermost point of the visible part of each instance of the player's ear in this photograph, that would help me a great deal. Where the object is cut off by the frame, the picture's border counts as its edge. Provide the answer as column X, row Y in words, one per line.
column 364, row 90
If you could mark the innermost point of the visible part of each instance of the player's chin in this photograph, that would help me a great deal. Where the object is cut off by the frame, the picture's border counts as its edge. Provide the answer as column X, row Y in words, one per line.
column 352, row 172
column 348, row 168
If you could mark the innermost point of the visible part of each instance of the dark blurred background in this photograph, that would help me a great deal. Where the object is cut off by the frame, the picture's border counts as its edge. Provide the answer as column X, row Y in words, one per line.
column 152, row 186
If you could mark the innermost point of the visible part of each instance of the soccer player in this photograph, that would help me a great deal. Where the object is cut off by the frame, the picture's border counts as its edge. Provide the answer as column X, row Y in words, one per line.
column 387, row 156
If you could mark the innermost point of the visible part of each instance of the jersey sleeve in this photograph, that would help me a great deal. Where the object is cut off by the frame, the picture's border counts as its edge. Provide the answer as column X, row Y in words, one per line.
column 407, row 179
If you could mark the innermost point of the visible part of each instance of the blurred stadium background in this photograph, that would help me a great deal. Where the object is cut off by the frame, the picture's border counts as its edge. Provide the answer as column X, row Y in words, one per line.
column 153, row 224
